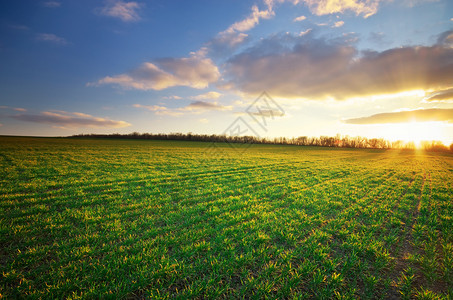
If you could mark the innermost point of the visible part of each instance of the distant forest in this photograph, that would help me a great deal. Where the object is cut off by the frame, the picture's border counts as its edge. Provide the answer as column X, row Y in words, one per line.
column 322, row 141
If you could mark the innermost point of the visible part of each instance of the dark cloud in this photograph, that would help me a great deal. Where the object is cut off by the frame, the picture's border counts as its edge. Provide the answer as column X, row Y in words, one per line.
column 445, row 38
column 226, row 43
column 443, row 95
column 379, row 39
column 68, row 119
column 317, row 68
column 420, row 115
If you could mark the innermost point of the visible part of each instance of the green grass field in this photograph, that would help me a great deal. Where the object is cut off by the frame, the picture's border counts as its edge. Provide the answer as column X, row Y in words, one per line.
column 158, row 219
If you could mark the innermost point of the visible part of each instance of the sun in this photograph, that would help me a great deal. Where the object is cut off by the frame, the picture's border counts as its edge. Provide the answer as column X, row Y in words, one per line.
column 416, row 132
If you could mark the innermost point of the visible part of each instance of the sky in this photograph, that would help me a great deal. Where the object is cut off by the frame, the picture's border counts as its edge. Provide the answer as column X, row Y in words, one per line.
column 268, row 68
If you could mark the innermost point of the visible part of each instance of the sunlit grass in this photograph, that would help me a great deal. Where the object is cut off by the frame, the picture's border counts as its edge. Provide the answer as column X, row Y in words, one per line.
column 99, row 218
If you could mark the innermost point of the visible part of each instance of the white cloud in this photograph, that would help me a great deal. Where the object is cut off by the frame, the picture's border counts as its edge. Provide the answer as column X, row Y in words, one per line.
column 359, row 7
column 125, row 11
column 198, row 71
column 365, row 8
column 302, row 33
column 207, row 96
column 70, row 119
column 195, row 107
column 198, row 106
column 158, row 109
column 51, row 4
column 298, row 19
column 194, row 71
column 52, row 38
column 174, row 97
column 228, row 39
column 150, row 107
column 338, row 24
column 147, row 77
column 18, row 27
column 234, row 35
column 252, row 20
column 13, row 108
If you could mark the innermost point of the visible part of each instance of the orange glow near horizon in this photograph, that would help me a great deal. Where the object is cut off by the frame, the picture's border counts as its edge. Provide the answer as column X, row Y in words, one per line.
column 417, row 132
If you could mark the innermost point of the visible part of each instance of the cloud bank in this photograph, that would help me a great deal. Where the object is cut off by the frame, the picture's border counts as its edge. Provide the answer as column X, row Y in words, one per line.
column 316, row 68
column 420, row 115
column 301, row 66
column 70, row 119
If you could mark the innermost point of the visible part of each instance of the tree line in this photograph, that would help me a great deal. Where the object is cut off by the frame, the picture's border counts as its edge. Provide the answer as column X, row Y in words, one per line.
column 322, row 141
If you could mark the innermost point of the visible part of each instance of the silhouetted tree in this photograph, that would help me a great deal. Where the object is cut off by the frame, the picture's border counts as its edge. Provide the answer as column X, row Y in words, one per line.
column 324, row 141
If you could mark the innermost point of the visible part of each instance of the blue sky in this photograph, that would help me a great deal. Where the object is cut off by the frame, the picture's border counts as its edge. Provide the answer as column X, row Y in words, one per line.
column 346, row 67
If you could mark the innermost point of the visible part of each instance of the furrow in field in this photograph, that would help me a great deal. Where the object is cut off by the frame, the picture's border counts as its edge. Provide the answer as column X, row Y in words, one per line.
column 250, row 205
column 100, row 189
column 96, row 183
column 407, row 247
column 69, row 192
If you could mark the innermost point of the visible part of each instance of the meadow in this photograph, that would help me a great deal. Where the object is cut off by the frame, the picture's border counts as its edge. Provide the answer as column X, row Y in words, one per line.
column 111, row 218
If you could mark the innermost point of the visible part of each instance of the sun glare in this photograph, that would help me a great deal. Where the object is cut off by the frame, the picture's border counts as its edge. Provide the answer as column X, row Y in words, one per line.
column 416, row 132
